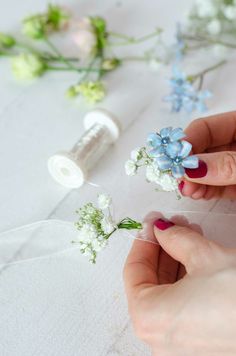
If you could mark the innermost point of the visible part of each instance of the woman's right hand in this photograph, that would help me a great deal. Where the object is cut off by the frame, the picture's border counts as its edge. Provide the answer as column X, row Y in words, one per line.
column 214, row 142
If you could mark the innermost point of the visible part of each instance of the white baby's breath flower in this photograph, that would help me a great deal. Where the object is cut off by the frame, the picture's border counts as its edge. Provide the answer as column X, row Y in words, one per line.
column 230, row 12
column 84, row 37
column 214, row 27
column 87, row 233
column 130, row 167
column 136, row 154
column 104, row 201
column 168, row 182
column 108, row 225
column 152, row 173
column 206, row 8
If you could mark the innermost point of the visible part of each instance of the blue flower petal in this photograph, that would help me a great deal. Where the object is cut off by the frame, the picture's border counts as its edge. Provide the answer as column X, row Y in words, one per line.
column 186, row 149
column 173, row 149
column 190, row 162
column 165, row 132
column 156, row 151
column 154, row 140
column 177, row 171
column 164, row 162
column 177, row 134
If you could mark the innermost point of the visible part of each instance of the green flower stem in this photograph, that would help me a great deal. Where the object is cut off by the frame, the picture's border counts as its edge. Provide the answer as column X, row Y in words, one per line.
column 66, row 69
column 132, row 40
column 27, row 47
column 200, row 75
column 60, row 56
column 129, row 224
column 89, row 70
column 209, row 40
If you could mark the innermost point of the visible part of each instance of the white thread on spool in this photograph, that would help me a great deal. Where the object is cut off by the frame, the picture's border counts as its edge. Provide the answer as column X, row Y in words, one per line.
column 70, row 169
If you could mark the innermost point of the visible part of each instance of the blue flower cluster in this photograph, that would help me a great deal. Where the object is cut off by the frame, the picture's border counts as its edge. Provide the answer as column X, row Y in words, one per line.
column 183, row 95
column 170, row 152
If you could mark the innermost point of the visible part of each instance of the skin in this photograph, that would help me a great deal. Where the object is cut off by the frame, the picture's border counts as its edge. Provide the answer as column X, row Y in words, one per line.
column 182, row 291
column 214, row 141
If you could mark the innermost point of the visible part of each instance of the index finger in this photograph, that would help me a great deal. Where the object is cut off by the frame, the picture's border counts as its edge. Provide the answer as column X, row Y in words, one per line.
column 212, row 131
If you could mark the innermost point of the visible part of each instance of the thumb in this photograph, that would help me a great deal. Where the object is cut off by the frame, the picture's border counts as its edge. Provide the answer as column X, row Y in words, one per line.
column 218, row 168
column 185, row 245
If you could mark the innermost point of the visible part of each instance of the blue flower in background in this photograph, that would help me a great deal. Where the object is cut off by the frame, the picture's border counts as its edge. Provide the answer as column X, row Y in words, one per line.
column 159, row 142
column 196, row 101
column 183, row 95
column 177, row 158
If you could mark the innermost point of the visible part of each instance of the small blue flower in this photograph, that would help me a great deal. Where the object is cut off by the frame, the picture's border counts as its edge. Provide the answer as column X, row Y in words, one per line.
column 197, row 101
column 177, row 158
column 159, row 142
column 183, row 95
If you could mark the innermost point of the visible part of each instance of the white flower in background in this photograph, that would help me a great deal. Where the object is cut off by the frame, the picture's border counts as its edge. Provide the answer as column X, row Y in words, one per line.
column 206, row 8
column 136, row 154
column 214, row 27
column 230, row 12
column 108, row 225
column 130, row 167
column 85, row 37
column 104, row 201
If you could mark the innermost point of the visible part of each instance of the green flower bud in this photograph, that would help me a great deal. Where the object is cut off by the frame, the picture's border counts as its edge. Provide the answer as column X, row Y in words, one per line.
column 110, row 64
column 57, row 18
column 27, row 66
column 98, row 23
column 6, row 41
column 72, row 91
column 92, row 91
column 35, row 27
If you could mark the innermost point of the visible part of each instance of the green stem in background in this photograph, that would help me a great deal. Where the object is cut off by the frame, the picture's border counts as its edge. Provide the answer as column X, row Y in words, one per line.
column 66, row 69
column 209, row 40
column 132, row 40
column 57, row 52
column 201, row 74
column 89, row 70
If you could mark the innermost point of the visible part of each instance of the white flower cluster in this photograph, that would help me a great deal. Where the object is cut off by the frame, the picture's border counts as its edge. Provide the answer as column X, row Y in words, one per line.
column 213, row 16
column 95, row 225
column 140, row 158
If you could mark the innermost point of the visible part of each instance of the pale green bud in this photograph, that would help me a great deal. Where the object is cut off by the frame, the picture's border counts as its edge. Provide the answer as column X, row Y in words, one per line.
column 27, row 66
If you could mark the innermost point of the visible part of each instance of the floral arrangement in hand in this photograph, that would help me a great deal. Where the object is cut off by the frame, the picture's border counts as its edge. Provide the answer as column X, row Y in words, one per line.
column 165, row 158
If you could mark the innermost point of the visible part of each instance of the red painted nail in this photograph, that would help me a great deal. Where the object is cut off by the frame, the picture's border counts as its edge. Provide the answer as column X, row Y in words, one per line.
column 199, row 172
column 181, row 186
column 162, row 224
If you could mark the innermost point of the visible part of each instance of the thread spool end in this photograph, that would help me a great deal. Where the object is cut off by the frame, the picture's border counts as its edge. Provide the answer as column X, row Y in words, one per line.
column 103, row 117
column 66, row 171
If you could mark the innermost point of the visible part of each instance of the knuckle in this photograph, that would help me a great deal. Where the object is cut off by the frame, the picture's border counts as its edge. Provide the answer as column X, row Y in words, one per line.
column 227, row 166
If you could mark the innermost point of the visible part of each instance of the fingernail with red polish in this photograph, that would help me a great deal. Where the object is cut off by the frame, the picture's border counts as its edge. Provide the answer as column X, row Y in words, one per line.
column 181, row 186
column 199, row 172
column 162, row 224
